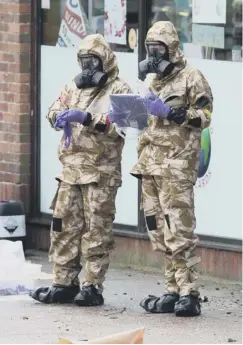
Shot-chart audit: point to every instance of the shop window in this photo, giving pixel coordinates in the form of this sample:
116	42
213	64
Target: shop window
67	22
203	39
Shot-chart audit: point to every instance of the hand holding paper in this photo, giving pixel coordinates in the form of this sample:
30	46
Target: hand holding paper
156	106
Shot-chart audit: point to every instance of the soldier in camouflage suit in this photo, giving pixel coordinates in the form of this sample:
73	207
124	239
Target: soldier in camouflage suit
84	204
180	104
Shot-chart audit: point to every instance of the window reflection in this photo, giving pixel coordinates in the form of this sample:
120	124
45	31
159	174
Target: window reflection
179	12
93	21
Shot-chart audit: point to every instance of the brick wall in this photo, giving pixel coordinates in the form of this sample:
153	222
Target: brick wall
15	99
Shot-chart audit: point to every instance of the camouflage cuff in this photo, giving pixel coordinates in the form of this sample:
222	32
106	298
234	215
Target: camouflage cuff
177	115
88	120
196	122
197	118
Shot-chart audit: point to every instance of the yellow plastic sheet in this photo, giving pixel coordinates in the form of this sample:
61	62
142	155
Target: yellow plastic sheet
130	337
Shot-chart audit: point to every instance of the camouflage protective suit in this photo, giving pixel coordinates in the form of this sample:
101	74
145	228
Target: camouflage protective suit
168	159
84	204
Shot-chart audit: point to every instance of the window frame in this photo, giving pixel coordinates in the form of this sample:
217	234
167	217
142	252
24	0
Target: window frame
35	217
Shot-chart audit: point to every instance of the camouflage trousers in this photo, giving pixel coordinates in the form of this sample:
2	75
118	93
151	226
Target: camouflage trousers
82	229
169	213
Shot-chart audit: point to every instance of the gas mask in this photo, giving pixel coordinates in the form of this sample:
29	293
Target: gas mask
157	60
92	74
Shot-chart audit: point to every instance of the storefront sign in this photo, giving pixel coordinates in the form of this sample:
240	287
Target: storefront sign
73	26
115	27
46	4
208	36
132	38
209	12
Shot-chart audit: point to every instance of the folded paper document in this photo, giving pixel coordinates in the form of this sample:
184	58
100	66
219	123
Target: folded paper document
131	111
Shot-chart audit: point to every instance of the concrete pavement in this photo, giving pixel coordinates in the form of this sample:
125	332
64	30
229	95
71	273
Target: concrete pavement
23	320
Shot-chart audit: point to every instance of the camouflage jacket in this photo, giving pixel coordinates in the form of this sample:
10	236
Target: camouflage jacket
165	148
95	151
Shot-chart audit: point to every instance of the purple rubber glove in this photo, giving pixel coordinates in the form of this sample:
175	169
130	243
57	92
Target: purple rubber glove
71	115
156	106
67	130
63	121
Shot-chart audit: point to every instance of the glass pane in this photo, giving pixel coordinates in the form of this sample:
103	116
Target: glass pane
97	16
202	39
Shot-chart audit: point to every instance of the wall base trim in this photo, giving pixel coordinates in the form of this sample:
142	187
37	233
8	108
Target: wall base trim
135	250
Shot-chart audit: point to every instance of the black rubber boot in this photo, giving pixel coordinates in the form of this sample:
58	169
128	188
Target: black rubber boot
188	305
163	304
55	294
89	297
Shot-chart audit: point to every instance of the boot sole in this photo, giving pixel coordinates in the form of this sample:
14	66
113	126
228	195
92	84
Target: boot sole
85	304
169	309
185	313
154	311
160	312
35	298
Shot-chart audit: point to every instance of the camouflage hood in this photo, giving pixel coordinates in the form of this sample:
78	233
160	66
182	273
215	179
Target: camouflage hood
165	32
96	45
